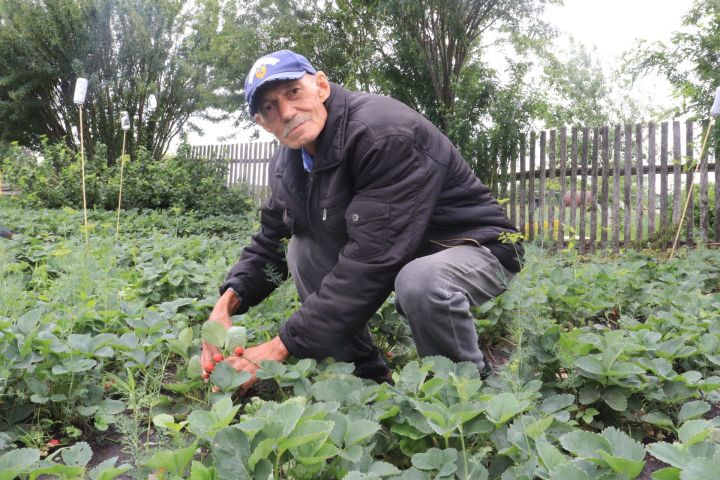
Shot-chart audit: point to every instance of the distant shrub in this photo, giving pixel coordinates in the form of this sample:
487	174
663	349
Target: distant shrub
51	178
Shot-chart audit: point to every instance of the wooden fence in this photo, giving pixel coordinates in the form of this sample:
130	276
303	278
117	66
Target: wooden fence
247	163
629	183
627	191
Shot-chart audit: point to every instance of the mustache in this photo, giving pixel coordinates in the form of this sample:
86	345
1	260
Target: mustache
289	126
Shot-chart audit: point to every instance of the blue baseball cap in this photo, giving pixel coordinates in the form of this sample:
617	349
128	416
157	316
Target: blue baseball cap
280	65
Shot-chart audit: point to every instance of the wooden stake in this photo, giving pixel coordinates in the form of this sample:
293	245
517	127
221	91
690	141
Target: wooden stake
82	170
687	200
122	167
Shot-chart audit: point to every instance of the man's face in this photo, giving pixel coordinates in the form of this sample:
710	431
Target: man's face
293	110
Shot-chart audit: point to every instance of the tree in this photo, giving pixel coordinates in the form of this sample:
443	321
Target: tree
127	50
426	53
690	61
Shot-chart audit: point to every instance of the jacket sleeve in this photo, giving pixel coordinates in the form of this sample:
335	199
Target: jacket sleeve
385	224
262	262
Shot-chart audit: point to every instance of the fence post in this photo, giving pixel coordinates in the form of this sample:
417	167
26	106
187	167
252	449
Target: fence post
689	180
541	220
594	190
704	200
651	180
582	237
640	189
553	231
605	210
563	175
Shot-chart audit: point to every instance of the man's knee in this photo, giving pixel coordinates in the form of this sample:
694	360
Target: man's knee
415	284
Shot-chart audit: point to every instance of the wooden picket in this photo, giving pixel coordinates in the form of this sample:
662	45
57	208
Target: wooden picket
247	164
642	204
635	188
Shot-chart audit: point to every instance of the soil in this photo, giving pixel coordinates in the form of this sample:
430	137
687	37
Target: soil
497	354
652	464
107	445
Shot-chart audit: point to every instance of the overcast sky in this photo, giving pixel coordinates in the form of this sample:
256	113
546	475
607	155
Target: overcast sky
612	26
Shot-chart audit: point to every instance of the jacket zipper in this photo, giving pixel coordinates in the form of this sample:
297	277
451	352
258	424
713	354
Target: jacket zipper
309	194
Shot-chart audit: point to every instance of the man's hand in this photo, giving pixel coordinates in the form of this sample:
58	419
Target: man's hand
250	360
223	310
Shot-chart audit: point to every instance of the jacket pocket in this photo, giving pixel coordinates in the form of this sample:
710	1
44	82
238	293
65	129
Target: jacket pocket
332	213
367	226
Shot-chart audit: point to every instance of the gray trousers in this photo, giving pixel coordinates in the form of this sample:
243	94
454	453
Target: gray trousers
434	293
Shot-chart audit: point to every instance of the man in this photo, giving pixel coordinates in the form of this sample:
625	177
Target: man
373	198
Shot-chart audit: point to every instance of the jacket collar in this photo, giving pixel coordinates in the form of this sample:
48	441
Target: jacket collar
331	140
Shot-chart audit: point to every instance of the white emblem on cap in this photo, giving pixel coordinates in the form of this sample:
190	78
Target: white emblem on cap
262	61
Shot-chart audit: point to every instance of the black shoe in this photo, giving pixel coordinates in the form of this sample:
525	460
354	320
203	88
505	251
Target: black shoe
486	371
386	378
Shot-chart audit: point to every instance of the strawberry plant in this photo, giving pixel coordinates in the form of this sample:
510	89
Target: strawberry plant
614	360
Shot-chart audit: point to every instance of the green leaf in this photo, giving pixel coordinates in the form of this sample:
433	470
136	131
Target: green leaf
407	430
503	407
287	415
442	461
624	369
214	333
57	470
230	450
568	471
626	467
621	445
162	420
183	342
589	394
693	410
556	403
383	469
615	398
173	461
694	431
353	453
320	455
670	454
15	462
658	418
227	378
358	430
702	469
236	337
263	450
550	456
669	473
306	432
198	471
194	369
355	475
78	455
107	470
584	444
591	365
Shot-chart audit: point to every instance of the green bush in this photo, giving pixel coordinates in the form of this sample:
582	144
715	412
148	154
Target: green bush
51	178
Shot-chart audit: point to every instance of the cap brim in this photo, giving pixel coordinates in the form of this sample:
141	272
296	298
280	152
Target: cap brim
271	78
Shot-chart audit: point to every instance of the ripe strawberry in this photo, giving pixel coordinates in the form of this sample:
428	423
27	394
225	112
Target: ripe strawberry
205	375
209	367
217	357
54	442
238	351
